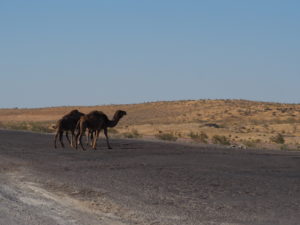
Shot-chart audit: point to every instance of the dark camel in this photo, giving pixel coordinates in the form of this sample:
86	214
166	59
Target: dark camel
95	121
67	123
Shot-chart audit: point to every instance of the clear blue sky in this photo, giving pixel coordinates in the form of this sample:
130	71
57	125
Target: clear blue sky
68	52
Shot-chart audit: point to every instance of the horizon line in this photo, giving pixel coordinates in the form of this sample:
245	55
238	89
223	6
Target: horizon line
157	101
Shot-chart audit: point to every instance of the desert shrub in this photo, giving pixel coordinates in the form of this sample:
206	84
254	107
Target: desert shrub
278	139
41	127
113	131
17	126
219	139
291	120
133	134
284	147
202	137
166	136
251	143
258	140
294	128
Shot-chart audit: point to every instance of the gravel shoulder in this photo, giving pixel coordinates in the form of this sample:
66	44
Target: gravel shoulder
142	182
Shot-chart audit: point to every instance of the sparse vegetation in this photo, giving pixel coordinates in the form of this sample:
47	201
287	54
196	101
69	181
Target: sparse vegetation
41	127
166	136
239	118
284	147
113	130
251	143
220	139
278	139
202	137
133	134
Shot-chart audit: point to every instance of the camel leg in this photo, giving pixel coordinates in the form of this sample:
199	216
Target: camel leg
72	138
91	134
107	141
80	141
56	135
87	133
67	136
76	139
79	136
61	139
95	139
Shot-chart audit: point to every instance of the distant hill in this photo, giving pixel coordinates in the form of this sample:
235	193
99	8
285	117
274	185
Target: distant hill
244	122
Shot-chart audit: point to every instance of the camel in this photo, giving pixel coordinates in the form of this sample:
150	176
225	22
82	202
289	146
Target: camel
67	123
95	121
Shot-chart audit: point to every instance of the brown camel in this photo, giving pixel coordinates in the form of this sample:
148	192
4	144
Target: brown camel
65	124
95	121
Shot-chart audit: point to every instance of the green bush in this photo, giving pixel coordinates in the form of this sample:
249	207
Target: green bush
166	136
222	140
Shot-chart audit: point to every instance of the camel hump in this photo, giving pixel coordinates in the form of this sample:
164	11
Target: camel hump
73	114
74	111
96	112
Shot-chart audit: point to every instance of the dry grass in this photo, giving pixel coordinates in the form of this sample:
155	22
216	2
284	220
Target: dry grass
239	121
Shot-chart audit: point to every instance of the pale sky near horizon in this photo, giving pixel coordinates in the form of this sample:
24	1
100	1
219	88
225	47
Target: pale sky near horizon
71	52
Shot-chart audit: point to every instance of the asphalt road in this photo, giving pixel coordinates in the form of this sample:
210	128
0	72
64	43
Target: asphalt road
144	182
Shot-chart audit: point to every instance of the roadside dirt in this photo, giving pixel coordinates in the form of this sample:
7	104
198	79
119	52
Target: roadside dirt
142	182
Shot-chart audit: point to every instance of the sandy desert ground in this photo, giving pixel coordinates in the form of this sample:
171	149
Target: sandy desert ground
145	182
250	123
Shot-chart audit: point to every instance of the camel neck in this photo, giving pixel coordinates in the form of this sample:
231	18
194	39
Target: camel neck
114	122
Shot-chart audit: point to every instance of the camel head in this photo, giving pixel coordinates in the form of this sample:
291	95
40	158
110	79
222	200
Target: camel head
119	114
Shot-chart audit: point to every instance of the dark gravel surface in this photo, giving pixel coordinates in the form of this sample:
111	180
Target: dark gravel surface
144	182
